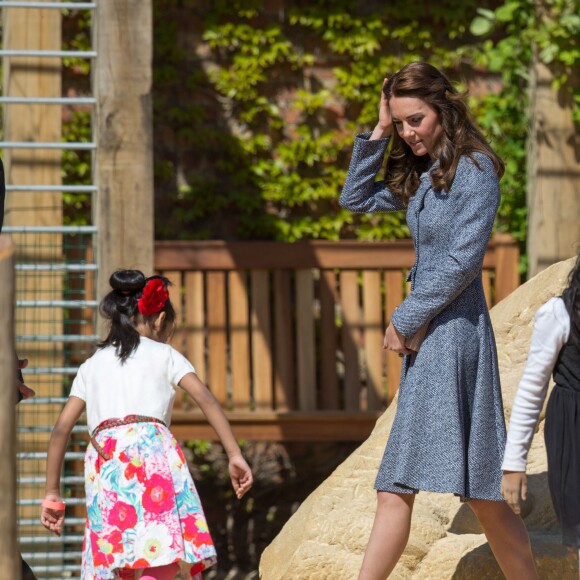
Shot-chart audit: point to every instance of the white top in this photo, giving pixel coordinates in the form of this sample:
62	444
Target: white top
145	384
551	331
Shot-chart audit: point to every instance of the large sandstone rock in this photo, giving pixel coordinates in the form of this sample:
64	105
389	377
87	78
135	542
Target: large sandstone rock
327	536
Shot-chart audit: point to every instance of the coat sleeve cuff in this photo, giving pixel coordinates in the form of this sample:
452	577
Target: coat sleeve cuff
406	327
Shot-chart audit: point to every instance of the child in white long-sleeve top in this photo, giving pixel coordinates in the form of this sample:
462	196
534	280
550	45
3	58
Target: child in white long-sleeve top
554	349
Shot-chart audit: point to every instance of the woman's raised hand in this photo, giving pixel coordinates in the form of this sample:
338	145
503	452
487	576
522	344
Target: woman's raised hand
384	127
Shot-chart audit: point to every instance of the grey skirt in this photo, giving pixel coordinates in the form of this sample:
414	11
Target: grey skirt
449	432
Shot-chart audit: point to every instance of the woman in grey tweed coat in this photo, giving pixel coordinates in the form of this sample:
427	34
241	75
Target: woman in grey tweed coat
449	433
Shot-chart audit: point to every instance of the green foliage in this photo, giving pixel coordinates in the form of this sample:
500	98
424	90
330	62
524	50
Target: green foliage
276	159
548	30
76	169
253	136
289	132
76	126
77	37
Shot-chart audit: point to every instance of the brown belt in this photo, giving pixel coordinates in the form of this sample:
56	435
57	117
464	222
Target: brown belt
109	423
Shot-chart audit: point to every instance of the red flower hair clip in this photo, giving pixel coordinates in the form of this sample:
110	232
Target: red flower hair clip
154	297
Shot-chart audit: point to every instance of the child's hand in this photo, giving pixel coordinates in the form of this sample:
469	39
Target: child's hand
52	518
241	475
25	392
514	486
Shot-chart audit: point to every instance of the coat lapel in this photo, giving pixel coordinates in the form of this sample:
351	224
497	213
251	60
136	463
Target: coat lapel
422	190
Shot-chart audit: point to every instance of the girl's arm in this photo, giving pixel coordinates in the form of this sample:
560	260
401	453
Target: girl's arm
240	472
551	329
51	518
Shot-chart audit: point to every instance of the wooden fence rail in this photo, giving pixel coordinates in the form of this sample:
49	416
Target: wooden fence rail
285	332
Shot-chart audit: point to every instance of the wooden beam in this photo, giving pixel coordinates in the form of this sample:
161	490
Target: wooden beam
222	255
553	171
124	132
32	76
35	76
8	545
323	254
272	426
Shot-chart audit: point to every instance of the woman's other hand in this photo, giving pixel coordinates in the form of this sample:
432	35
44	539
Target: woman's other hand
395	341
384	127
241	475
514	489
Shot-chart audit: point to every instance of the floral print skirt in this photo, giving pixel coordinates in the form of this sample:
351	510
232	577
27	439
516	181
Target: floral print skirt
143	508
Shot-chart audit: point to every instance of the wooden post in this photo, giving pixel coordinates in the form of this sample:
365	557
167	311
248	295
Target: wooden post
35	76
32	29
124	134
8	547
305	341
507	277
553	175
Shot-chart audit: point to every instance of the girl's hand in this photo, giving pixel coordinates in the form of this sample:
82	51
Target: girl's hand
395	341
384	127
241	475
514	485
52	519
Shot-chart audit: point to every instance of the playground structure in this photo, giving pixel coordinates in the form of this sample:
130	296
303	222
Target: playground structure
288	337
56	269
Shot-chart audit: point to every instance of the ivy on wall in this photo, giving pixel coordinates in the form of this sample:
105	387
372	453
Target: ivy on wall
76	123
255	109
295	86
515	34
547	30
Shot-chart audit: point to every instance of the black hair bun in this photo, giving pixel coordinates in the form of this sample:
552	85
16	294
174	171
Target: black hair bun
127	280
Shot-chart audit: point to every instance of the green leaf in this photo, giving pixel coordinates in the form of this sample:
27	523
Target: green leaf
486	13
480	26
505	13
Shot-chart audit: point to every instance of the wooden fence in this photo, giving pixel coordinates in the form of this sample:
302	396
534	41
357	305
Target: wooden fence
289	337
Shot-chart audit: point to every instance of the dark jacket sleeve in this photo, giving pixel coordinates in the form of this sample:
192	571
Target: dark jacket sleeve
361	192
477	193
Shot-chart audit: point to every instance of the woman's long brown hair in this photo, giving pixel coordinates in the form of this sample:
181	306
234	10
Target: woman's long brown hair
459	137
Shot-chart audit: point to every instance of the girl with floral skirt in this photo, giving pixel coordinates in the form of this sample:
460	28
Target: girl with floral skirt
144	516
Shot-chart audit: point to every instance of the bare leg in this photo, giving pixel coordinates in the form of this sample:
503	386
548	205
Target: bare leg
389	535
169	572
507	537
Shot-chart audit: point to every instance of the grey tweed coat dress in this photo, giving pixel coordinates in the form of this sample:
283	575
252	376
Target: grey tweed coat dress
449	431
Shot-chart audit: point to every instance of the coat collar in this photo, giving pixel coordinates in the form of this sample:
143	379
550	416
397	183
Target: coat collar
424	187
